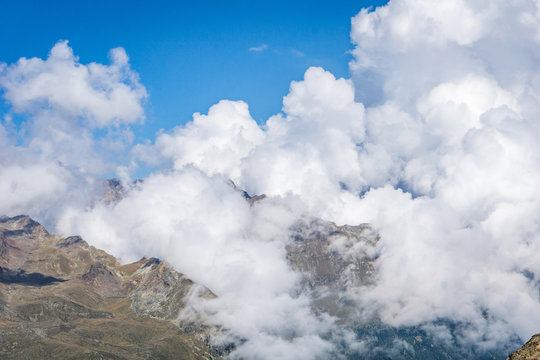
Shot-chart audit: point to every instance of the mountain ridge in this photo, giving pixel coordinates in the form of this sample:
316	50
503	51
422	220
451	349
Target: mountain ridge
62	298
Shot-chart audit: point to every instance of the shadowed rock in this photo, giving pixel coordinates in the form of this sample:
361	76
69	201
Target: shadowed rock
71	241
8	276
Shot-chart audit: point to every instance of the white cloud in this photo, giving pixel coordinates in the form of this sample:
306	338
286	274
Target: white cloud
101	94
312	147
259	48
409	46
463	146
62	102
215	143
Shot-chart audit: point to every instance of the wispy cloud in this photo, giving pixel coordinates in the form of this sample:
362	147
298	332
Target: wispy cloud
297	53
259	48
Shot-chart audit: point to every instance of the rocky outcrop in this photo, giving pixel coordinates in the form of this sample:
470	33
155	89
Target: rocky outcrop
159	291
335	262
529	351
63	299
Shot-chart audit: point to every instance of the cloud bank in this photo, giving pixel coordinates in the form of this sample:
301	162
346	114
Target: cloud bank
432	141
457	203
52	159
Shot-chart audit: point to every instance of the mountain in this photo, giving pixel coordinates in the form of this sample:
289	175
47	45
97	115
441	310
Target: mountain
61	298
337	263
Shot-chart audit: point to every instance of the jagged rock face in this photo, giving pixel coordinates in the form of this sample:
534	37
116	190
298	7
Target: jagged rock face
160	292
335	261
529	351
113	190
61	298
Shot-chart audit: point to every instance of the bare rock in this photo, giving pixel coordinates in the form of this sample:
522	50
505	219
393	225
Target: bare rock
529	351
335	262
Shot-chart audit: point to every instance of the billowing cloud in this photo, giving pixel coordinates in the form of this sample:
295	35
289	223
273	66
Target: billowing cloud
457	170
215	143
99	93
432	141
409	46
54	155
205	228
312	147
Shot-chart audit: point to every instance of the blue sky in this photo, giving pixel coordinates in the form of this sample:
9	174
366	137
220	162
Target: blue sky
190	55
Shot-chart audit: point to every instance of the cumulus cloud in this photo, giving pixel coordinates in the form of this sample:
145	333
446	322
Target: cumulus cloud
55	155
461	156
65	102
215	143
99	93
311	147
409	46
432	141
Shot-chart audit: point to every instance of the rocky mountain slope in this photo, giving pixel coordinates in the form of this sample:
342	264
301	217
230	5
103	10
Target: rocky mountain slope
61	298
529	351
335	261
338	262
